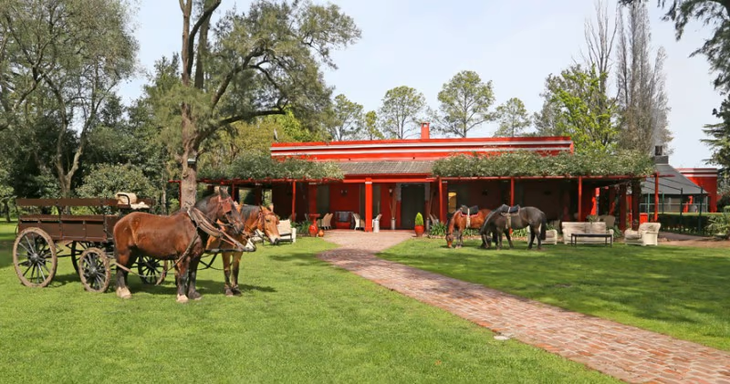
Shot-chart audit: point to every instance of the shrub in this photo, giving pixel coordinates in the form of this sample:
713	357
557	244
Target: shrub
438	229
719	225
419	219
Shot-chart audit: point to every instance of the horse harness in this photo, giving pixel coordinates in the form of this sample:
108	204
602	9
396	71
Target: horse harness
201	223
507	215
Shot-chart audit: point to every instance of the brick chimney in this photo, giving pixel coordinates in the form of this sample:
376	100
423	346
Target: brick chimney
425	131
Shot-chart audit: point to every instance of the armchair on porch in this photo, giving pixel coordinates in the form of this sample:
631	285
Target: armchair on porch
326	221
648	234
359	223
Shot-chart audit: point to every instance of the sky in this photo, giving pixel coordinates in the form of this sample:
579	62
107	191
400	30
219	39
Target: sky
515	44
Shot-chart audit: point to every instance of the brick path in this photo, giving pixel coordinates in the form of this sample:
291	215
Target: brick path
627	353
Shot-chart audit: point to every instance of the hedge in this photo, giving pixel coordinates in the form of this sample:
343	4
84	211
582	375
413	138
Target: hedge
262	166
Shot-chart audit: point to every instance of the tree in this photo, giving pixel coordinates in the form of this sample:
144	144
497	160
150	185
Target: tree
400	110
255	64
719	134
347	120
642	99
577	95
546	120
59	63
464	104
512	117
371	131
715	13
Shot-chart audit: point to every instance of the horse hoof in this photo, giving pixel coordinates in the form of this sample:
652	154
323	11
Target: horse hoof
124	293
195	295
237	292
229	293
182	299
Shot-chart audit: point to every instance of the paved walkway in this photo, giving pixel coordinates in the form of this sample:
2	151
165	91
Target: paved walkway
627	353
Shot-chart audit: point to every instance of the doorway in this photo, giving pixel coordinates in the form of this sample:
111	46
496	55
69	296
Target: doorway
413	200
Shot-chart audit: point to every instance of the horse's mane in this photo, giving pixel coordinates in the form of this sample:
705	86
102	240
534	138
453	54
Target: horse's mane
247	210
452	222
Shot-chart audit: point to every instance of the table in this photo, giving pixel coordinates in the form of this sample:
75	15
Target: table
606	236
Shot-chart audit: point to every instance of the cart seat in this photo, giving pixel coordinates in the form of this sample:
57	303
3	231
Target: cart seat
130	199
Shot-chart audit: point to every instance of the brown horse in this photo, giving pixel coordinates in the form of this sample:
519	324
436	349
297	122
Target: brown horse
460	221
255	219
177	237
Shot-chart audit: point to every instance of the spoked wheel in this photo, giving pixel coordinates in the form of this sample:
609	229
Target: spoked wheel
94	270
34	257
151	270
77	248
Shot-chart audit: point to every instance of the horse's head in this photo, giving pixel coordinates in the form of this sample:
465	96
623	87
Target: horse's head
449	240
221	207
268	224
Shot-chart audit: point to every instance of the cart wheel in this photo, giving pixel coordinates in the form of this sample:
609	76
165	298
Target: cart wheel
34	257
94	270
77	248
151	270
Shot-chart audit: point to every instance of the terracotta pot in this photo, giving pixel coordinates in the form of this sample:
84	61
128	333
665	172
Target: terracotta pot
321	233
419	230
313	230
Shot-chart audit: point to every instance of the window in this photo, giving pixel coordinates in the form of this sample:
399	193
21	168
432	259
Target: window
452	201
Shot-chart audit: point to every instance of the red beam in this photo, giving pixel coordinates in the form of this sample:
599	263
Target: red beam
293	201
580	198
442	215
512	192
656	197
368	206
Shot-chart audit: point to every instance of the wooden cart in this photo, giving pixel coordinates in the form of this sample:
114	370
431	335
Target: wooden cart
44	237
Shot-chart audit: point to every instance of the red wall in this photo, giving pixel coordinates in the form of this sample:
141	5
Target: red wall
705	178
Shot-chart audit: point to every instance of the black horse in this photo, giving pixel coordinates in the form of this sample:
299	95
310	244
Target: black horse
505	217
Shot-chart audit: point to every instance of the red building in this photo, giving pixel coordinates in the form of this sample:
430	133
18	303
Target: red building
394	178
705	178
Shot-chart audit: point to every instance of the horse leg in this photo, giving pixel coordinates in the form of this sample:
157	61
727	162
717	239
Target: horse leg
227	273
532	237
182	279
539	239
193	272
509	239
236	264
124	256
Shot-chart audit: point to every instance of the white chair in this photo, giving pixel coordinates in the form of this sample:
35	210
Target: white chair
358	221
551	236
286	231
327	221
648	234
376	223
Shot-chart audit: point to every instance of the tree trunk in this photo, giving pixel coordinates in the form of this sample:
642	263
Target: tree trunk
7	211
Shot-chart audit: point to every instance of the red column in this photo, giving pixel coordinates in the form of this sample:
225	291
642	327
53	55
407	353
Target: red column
257	194
622	207
293	201
656	196
368	205
580	198
512	191
442	210
635	201
595	200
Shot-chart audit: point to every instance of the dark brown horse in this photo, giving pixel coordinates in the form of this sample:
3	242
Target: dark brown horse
256	219
500	222
460	221
176	237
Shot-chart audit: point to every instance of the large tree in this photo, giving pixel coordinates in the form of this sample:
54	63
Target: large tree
400	111
370	128
642	98
464	104
713	13
577	95
347	121
59	63
512	117
250	65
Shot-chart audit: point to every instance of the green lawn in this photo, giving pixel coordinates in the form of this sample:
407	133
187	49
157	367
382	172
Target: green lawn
299	320
679	291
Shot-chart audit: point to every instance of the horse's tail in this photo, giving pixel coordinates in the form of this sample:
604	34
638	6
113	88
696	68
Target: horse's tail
543	227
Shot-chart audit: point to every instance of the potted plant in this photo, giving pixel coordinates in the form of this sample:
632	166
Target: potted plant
419	225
